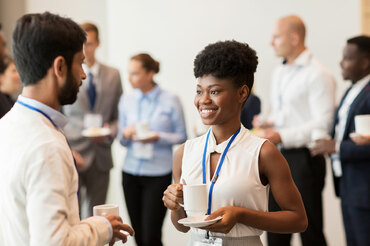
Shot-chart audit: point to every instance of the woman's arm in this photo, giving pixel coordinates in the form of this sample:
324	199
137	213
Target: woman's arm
173	194
291	218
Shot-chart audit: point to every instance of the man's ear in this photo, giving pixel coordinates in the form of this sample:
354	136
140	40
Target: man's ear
60	67
244	93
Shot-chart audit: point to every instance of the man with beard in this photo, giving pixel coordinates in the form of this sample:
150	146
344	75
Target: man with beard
98	99
38	178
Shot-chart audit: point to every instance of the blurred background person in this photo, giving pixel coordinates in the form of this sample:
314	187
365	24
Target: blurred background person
9	84
151	122
302	101
351	162
3	49
96	105
251	108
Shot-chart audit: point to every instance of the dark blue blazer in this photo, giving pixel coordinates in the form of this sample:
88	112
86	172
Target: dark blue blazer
354	186
251	108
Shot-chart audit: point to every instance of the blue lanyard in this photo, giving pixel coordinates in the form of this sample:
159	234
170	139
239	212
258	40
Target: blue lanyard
48	117
215	176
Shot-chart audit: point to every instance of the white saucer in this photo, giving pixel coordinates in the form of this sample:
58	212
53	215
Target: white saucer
198	221
148	136
96	132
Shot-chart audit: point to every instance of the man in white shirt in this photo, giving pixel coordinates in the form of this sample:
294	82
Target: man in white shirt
302	101
38	178
351	162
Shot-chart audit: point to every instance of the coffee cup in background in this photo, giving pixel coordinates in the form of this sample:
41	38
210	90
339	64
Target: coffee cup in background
142	129
195	199
362	124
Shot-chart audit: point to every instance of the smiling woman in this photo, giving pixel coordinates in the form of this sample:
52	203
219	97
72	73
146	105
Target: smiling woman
238	167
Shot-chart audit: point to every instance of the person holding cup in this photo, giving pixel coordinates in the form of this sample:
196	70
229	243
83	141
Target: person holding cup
38	178
237	166
151	121
351	161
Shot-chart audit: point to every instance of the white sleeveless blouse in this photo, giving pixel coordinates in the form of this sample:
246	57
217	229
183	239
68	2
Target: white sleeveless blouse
238	183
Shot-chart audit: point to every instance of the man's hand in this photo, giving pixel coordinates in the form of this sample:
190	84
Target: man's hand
360	139
323	146
79	159
271	135
117	226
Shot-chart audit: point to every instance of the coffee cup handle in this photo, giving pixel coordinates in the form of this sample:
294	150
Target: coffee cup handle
182	205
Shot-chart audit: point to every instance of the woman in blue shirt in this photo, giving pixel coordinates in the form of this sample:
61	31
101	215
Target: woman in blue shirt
148	164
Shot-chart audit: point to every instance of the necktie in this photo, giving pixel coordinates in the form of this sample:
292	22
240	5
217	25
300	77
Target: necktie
91	91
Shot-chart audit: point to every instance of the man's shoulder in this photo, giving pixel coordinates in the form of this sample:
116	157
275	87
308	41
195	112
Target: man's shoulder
108	69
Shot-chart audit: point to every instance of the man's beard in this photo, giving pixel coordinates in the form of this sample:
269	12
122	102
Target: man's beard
68	93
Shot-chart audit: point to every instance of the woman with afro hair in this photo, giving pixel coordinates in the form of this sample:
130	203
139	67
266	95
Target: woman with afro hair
238	167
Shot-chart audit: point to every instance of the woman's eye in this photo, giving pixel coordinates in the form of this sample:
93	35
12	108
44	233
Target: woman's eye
213	92
198	92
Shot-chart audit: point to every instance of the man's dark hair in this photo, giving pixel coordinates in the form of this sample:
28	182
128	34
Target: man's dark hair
39	38
362	42
227	59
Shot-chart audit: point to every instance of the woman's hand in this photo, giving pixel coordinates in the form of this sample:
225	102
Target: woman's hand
129	132
173	196
229	216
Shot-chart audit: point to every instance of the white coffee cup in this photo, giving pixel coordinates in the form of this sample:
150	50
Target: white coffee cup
142	129
105	209
108	209
362	124
195	199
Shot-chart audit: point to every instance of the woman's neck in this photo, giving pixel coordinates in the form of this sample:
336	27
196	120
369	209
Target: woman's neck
148	87
222	132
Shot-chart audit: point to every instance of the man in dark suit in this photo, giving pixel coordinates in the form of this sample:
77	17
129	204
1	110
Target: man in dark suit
98	99
351	162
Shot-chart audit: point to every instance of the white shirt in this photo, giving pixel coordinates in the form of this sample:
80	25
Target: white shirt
38	183
94	70
238	183
302	99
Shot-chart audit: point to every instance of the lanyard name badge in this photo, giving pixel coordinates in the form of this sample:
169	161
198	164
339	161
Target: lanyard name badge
208	240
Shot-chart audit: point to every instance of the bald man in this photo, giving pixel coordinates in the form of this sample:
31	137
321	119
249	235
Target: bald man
302	105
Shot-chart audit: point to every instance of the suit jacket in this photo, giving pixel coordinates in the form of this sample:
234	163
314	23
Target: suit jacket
354	186
109	90
251	108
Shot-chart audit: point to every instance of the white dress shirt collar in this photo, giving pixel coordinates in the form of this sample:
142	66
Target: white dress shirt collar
57	117
94	69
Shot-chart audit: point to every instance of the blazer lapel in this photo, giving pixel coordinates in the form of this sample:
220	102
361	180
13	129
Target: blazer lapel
353	107
336	117
99	88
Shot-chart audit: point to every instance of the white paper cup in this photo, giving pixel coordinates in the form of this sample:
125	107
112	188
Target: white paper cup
195	199
362	124
106	209
142	129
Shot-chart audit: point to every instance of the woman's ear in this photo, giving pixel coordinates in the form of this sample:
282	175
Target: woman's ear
243	93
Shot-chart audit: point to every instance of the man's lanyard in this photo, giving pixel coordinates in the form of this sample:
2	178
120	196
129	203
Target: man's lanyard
215	176
48	117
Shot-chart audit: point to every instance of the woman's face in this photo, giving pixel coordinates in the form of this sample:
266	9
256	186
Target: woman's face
10	81
218	101
138	76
